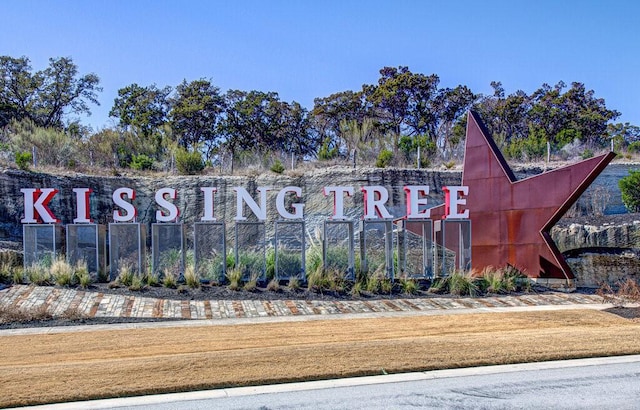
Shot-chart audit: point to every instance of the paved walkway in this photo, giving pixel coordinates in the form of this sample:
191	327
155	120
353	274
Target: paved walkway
94	304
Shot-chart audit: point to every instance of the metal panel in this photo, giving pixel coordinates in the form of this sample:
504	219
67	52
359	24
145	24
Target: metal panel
338	247
86	243
415	248
127	248
167	244
290	250
210	251
376	247
250	250
42	243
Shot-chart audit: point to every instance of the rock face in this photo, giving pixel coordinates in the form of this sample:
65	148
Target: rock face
593	267
599	254
577	236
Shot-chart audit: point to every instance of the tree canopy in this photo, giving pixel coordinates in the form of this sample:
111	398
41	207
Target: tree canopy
45	96
403	113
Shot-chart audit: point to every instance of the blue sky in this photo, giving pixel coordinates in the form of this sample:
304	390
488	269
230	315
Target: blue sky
307	49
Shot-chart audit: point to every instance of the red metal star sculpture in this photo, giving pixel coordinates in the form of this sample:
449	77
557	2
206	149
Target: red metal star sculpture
511	219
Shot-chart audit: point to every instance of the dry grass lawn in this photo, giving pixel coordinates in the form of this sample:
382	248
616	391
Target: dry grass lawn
73	366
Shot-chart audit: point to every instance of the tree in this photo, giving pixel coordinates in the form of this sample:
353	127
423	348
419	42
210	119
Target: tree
403	101
196	111
46	96
144	108
247	120
630	189
330	112
449	107
294	134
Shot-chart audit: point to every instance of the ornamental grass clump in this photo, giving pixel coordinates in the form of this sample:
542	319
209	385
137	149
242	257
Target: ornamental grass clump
317	280
82	276
273	285
6	272
84	279
462	284
357	289
137	283
492	280
625	293
151	279
252	284
170	281
18	276
294	284
62	272
234	277
191	279
38	274
125	275
409	286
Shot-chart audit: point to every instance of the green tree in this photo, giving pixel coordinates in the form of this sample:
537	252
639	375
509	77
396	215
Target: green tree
630	189
403	101
45	96
259	121
196	111
144	108
330	112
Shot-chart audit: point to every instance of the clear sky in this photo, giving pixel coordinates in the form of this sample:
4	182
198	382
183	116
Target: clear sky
306	49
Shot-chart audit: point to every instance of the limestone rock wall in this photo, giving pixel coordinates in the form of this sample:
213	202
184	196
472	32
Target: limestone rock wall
577	236
190	200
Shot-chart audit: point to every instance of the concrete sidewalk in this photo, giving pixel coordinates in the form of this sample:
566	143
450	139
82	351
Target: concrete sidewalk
102	305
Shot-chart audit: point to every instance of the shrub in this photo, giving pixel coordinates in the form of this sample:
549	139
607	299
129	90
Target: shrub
384	158
23	160
587	153
630	189
141	162
634	147
189	163
627	292
326	152
277	167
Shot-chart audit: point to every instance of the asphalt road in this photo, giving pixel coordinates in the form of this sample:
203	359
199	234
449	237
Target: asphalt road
602	383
